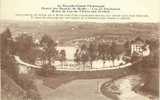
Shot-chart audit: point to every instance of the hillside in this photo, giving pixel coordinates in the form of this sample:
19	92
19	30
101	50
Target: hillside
10	90
22	88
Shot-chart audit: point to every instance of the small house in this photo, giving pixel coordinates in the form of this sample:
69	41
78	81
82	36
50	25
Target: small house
139	47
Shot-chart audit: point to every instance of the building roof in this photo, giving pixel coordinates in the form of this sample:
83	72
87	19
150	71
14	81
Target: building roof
138	41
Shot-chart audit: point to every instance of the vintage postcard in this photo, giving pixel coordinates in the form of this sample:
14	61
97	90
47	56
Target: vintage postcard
79	49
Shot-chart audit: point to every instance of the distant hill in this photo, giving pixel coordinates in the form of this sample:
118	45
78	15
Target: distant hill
72	30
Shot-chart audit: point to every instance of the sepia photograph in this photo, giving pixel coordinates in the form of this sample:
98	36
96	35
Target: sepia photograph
67	60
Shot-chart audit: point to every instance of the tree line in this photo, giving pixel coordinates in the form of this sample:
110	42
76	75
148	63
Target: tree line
94	51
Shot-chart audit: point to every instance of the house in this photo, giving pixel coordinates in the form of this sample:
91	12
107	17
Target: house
69	50
136	47
69	55
139	47
146	51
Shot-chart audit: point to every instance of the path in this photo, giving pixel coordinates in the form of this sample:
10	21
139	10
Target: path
75	90
27	65
18	60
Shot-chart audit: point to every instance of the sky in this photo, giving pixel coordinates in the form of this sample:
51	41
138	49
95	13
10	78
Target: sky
151	8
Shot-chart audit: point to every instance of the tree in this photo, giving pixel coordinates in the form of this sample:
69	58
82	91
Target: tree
154	44
91	53
138	39
49	50
6	42
83	54
7	60
25	48
127	47
62	56
77	56
102	51
153	58
113	52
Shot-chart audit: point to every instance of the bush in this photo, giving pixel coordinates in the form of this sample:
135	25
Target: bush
9	66
25	81
46	70
32	94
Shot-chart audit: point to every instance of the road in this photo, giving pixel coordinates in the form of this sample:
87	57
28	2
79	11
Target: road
74	90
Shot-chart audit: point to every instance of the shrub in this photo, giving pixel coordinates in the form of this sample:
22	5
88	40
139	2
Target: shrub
46	70
9	66
25	81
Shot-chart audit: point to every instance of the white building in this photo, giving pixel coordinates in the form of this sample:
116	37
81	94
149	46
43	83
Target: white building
146	52
140	48
70	51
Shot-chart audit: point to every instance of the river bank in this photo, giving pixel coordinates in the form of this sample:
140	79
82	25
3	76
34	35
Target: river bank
126	88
